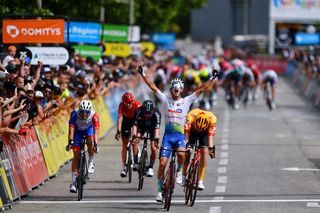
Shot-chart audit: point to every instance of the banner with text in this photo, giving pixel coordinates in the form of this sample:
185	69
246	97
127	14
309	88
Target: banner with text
85	32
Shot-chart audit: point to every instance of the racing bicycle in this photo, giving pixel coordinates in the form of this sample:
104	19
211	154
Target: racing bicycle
83	174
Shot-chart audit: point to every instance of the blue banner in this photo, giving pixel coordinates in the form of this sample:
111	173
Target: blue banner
163	38
307	38
84	32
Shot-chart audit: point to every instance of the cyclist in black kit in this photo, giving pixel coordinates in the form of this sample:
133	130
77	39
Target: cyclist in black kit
148	119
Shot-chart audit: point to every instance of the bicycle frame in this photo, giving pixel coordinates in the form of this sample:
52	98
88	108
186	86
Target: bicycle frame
170	179
82	169
143	161
129	162
191	185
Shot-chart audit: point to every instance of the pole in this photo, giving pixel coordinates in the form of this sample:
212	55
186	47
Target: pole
131	18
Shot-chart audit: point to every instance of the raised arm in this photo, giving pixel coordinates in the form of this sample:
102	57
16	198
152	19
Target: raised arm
206	84
146	79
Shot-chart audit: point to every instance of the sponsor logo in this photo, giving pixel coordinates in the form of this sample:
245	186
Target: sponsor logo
13	31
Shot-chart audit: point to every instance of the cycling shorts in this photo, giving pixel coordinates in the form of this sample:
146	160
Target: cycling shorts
126	128
202	137
144	130
170	141
78	134
269	80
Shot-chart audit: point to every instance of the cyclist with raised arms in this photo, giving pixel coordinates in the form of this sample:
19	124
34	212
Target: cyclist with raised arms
175	109
126	116
200	125
83	122
148	119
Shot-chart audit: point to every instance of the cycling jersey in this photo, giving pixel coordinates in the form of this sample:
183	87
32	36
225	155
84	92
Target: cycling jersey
129	113
270	74
175	117
211	117
83	127
147	124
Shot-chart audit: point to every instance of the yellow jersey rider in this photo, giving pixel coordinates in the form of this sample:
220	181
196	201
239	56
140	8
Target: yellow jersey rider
200	125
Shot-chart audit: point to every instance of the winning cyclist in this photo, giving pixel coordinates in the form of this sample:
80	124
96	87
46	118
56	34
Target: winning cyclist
201	125
126	116
270	76
83	122
175	109
148	119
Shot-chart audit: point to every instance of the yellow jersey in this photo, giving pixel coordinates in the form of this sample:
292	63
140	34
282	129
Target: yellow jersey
211	129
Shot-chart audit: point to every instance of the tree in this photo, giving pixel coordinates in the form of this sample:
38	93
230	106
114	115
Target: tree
151	15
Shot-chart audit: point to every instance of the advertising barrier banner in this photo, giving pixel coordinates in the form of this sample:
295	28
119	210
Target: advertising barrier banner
86	50
33	31
85	32
5	191
163	38
117	49
105	119
118	33
53	137
8	169
49	55
148	48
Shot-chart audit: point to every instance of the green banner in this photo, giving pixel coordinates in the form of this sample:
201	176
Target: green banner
118	33
85	51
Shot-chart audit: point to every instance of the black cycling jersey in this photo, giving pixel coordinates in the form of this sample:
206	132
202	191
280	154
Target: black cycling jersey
150	124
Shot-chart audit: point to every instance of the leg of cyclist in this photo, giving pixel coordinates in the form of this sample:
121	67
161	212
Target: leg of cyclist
181	145
163	159
191	138
154	147
91	154
135	148
77	137
125	133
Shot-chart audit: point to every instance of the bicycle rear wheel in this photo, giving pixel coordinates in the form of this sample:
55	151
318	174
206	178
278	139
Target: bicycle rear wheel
129	163
194	183
142	168
81	177
187	186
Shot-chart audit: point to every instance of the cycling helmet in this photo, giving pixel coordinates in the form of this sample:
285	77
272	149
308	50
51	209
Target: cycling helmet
127	97
148	106
201	123
85	105
176	82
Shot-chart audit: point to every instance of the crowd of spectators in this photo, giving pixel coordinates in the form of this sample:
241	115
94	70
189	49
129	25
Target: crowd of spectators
308	58
32	93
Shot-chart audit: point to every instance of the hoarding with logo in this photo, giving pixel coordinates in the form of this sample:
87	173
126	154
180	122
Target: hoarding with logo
85	32
117	49
86	50
33	31
117	33
307	38
163	38
49	55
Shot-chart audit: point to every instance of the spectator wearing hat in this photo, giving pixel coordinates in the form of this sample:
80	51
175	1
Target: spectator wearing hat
38	96
48	78
9	58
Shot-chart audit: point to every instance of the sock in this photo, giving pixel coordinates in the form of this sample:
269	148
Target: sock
124	164
160	183
135	159
151	163
74	177
90	159
179	167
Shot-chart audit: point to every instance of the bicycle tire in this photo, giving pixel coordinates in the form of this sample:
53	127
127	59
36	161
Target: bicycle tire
80	181
142	165
165	187
194	183
171	185
129	163
187	186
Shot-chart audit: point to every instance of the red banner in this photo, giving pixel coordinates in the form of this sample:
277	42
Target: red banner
26	159
266	63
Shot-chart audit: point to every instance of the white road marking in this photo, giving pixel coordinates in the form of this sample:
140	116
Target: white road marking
222	170
220	189
225	135
215	209
174	201
222	179
296	169
218	198
225	130
225	147
313	205
224	155
223	162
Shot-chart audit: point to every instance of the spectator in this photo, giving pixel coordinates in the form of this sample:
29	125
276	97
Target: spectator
9	58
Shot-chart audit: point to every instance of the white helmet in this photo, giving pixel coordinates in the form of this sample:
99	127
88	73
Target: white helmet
176	82
85	105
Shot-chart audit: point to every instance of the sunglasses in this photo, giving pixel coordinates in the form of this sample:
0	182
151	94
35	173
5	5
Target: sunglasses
84	112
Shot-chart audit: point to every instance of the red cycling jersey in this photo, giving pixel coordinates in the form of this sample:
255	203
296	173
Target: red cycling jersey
129	113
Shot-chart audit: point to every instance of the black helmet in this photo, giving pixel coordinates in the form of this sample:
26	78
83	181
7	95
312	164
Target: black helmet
148	106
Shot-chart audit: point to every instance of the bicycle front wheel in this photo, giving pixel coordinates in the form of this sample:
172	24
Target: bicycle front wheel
129	163
194	183
142	168
81	177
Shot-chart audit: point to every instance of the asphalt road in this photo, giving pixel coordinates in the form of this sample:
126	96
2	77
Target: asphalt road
267	162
